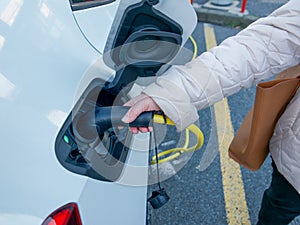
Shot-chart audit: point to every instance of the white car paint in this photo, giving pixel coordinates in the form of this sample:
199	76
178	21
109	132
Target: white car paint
91	21
17	219
43	56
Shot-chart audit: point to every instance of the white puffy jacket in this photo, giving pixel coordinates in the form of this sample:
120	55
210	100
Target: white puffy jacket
265	48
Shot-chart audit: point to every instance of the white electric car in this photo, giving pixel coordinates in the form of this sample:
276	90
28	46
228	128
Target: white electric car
60	59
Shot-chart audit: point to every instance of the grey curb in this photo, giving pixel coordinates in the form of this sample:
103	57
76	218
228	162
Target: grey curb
224	18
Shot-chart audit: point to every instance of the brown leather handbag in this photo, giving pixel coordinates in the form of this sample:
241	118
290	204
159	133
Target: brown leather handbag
249	146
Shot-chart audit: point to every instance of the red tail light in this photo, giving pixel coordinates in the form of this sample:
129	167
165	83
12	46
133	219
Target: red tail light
65	215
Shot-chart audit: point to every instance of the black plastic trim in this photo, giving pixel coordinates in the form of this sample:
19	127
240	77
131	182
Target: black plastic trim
90	4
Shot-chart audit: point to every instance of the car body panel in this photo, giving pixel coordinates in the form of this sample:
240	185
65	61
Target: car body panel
42	58
93	21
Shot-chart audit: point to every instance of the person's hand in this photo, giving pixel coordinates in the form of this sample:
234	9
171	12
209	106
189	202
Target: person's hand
138	105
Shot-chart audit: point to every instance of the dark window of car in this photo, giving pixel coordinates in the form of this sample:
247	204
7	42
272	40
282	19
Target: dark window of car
84	4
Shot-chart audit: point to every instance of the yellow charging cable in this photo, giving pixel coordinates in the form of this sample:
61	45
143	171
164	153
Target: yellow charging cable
195	46
175	152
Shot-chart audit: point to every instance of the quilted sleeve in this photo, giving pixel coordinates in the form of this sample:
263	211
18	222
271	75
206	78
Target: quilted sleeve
263	49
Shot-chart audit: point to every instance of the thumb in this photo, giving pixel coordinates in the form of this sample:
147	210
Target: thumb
139	104
133	113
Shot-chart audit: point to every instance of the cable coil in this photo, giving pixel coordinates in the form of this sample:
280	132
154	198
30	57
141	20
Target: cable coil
176	152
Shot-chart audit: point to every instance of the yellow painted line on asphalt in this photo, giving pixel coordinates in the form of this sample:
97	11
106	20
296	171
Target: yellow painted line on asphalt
233	187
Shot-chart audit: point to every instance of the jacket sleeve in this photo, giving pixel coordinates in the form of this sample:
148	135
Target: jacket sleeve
263	49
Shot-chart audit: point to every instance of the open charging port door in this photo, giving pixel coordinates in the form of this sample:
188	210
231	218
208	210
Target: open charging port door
99	156
144	41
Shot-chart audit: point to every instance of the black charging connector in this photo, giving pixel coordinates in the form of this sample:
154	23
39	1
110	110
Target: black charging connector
159	197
